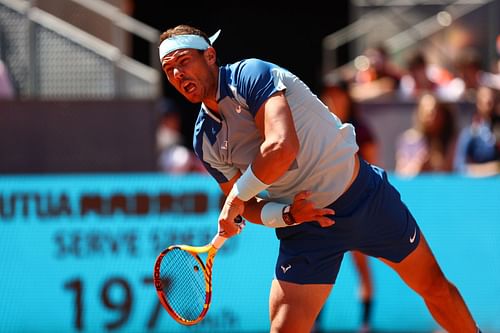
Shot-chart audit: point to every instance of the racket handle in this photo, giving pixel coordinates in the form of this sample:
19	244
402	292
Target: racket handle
218	241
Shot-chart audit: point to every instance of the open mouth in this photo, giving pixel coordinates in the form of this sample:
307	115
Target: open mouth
189	87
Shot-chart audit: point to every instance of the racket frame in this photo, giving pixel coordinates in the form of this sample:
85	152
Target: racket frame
206	267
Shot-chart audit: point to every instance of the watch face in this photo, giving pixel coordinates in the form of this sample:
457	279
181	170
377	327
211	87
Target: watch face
287	216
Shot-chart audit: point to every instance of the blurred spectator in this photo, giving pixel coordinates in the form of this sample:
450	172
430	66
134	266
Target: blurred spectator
6	86
337	98
470	70
478	149
376	74
418	80
424	77
173	156
429	145
492	79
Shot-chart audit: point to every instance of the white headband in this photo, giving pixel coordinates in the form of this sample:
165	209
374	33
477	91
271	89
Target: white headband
185	42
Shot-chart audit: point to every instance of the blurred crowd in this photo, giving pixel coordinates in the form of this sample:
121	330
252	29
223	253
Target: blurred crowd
435	142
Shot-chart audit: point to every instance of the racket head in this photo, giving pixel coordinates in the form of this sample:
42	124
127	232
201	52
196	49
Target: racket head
183	282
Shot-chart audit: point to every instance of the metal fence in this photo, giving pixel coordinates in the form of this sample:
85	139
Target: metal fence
49	58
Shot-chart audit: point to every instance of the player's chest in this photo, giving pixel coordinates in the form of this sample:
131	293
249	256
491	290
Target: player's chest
237	137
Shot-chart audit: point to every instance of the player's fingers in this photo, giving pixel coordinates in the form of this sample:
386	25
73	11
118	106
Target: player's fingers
326	211
325	221
232	227
228	229
323	218
240	225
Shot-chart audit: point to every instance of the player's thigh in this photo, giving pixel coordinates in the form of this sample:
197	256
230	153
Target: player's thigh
294	307
419	269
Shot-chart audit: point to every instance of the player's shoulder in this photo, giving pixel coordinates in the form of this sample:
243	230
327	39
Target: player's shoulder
251	66
253	62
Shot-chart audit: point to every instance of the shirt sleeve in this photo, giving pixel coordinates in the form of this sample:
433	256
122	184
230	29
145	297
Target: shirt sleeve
256	82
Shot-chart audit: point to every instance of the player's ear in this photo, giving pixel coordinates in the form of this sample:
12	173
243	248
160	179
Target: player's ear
211	55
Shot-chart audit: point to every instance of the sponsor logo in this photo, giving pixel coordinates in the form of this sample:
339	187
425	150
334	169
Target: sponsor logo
285	269
412	238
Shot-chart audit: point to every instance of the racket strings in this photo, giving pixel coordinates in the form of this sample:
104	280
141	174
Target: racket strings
184	284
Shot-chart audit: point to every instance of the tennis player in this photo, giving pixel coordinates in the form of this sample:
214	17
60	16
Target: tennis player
285	161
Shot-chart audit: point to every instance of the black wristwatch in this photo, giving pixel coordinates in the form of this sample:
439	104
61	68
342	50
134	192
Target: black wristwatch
287	215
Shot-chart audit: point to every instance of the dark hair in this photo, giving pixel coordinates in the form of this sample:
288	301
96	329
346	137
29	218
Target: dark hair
183	29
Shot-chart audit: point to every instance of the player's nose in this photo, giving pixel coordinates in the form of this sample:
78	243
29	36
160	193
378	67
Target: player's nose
178	74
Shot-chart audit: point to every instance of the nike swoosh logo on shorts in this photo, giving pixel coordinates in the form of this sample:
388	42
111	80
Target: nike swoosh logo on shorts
412	238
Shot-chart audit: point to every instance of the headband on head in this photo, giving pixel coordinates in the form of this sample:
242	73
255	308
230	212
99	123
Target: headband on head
185	42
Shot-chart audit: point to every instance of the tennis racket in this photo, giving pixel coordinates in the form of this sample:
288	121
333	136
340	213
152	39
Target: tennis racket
183	281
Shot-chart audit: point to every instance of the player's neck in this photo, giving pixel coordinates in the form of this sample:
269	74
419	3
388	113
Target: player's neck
211	101
212	106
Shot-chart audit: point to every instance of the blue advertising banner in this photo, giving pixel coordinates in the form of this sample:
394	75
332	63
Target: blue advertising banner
77	254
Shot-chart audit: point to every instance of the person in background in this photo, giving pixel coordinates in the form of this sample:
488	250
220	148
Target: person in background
478	148
284	161
469	69
173	156
376	75
424	78
338	100
429	145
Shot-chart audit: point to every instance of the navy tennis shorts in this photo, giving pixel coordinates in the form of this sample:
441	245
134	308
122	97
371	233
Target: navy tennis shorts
369	217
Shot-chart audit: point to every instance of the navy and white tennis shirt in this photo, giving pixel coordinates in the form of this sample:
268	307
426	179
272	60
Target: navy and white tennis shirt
228	141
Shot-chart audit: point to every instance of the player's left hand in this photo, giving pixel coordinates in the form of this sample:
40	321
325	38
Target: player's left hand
303	210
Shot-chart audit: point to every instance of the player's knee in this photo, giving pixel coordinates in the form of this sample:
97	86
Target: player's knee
280	325
286	322
290	328
279	328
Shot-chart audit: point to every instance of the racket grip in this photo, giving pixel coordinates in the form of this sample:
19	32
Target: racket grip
218	241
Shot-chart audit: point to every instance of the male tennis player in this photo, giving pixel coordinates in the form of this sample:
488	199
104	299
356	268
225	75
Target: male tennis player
261	130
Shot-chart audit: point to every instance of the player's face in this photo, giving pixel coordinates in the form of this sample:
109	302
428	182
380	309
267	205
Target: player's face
188	70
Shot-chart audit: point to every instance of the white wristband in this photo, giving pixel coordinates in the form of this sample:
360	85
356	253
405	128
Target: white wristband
272	215
248	185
